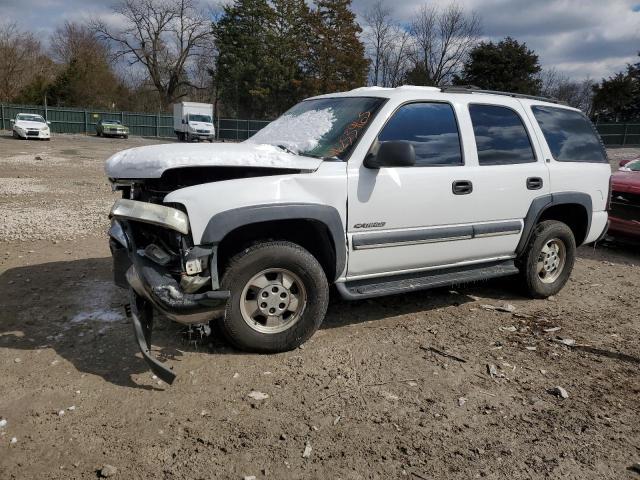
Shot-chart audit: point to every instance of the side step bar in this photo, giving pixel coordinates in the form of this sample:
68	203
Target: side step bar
377	287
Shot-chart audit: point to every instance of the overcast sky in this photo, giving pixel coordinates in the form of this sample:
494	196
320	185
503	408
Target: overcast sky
581	38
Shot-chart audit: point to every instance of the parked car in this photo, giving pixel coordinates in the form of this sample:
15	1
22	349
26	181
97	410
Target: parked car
193	121
30	125
378	191
624	214
111	128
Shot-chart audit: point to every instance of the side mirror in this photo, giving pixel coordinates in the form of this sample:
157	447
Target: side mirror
392	154
48	122
12	121
184	121
623	162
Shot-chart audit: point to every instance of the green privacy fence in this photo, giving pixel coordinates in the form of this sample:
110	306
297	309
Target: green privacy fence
235	129
620	134
83	121
75	120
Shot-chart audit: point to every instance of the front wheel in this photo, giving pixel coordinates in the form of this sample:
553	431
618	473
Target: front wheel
279	297
548	261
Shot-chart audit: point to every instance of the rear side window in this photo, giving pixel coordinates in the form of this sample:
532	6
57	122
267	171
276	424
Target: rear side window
501	137
570	135
431	128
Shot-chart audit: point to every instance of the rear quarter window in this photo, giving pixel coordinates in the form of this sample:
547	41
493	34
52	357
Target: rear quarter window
570	135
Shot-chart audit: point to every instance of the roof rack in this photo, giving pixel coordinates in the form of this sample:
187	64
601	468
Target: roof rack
474	89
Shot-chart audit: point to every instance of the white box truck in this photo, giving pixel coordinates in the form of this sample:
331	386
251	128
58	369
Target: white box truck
193	121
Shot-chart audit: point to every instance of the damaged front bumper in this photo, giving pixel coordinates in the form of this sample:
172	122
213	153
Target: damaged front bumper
150	272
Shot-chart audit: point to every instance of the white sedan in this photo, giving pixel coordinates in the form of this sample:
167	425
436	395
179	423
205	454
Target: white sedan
29	125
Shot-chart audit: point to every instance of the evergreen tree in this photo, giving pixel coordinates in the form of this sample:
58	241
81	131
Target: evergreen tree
508	66
418	75
617	98
245	60
337	60
291	43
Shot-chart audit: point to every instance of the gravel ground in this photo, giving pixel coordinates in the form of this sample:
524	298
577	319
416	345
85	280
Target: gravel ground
369	396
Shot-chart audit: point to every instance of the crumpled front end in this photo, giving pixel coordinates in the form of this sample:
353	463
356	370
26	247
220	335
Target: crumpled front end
155	258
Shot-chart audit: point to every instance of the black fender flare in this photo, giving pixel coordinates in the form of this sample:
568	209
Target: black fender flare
544	202
221	224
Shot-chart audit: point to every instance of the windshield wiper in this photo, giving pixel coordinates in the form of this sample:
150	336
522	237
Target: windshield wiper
288	150
311	155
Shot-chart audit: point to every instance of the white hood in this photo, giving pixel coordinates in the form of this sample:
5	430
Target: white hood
33	125
153	160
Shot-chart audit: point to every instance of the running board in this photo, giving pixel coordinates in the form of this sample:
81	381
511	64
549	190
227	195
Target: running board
377	287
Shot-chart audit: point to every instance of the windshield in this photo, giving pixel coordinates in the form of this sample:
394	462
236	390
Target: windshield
200	118
327	127
633	165
30	118
117	122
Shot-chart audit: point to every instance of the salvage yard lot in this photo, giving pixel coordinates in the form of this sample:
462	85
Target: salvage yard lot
371	393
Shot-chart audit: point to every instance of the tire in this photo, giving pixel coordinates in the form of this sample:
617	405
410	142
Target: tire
245	278
98	134
540	278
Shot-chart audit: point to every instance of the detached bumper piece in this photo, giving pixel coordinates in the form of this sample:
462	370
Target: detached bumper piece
142	318
150	281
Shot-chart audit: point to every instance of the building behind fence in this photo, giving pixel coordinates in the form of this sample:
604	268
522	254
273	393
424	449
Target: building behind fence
73	120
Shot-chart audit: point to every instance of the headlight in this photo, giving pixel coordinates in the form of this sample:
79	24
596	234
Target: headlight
44	129
151	213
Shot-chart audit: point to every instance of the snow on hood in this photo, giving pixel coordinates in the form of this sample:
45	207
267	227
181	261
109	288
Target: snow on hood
151	161
298	133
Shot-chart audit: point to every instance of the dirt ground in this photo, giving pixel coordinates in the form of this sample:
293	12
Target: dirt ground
366	393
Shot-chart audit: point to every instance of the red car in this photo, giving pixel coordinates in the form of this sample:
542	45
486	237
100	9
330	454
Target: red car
624	215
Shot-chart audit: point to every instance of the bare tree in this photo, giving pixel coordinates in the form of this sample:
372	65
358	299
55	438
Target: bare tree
21	60
74	41
164	36
576	93
442	40
396	58
378	36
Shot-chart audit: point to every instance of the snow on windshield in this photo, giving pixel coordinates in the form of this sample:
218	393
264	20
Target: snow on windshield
298	133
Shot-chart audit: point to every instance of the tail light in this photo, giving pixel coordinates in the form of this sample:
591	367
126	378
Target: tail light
608	206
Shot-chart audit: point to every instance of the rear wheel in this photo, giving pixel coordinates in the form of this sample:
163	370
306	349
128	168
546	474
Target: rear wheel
279	297
548	261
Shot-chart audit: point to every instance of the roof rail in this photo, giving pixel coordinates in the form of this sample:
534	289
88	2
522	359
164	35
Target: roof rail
474	89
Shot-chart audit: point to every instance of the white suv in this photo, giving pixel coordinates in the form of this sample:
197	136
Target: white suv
378	191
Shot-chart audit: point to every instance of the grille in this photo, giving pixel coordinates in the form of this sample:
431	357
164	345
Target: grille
625	206
33	133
